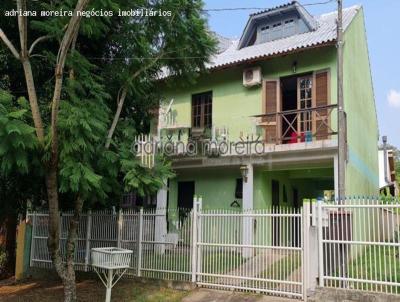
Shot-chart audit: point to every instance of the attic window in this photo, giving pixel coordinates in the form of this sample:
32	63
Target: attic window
277	23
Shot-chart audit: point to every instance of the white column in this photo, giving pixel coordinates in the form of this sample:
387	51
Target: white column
161	221
248	187
336	173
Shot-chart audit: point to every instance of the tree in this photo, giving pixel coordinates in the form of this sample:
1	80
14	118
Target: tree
18	153
82	155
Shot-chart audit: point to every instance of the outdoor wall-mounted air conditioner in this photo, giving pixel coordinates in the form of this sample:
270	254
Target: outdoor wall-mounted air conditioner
252	76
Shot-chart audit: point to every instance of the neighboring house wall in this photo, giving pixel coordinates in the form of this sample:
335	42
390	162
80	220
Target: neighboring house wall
362	126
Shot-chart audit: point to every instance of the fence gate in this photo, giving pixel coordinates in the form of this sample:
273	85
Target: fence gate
254	250
359	245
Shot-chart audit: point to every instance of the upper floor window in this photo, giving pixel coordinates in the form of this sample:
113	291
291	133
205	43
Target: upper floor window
277	30
202	110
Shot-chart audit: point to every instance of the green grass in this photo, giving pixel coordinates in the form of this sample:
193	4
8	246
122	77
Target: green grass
375	263
153	294
221	262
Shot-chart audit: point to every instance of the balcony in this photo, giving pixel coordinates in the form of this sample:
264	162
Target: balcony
297	126
304	130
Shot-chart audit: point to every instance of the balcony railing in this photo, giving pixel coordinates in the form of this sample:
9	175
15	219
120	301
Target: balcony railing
294	126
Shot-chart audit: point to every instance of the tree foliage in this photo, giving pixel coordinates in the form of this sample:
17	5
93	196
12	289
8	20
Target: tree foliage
72	101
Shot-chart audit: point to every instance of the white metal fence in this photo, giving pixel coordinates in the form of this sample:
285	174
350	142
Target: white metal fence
254	250
160	240
282	251
360	245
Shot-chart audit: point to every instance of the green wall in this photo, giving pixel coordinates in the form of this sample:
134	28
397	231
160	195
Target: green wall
233	104
362	125
217	186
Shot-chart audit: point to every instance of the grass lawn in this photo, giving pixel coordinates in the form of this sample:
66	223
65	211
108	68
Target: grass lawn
88	290
376	263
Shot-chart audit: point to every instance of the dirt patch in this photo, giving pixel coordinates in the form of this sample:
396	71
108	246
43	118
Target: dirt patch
88	290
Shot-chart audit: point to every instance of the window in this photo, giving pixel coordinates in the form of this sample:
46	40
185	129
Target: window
305	101
202	110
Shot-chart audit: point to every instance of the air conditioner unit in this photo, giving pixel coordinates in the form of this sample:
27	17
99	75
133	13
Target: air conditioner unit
252	76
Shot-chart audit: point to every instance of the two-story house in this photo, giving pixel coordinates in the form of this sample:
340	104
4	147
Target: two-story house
260	128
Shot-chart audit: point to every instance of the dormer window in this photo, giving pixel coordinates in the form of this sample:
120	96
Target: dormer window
277	23
276	30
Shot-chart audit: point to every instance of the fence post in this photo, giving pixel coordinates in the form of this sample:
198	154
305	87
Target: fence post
194	238
88	233
306	245
119	223
139	261
199	234
320	246
33	237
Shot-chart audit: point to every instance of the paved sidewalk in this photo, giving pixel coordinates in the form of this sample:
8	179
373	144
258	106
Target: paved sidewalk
210	295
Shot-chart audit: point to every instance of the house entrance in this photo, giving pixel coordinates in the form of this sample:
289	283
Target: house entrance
185	198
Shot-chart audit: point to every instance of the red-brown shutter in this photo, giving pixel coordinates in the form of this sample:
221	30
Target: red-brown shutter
271	106
321	100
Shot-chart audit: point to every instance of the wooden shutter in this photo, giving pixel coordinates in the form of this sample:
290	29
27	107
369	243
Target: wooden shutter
271	106
321	100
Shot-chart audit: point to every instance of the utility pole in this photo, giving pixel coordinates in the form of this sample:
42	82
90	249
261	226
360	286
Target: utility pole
342	132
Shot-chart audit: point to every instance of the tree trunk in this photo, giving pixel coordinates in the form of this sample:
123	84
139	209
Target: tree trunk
69	280
54	221
121	101
30	84
65	271
70	287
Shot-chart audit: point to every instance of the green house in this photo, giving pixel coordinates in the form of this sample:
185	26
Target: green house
260	128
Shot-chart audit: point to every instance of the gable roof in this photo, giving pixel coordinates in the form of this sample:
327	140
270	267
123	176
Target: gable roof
324	34
293	6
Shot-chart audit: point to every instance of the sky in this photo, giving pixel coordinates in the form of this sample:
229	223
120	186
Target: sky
383	34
